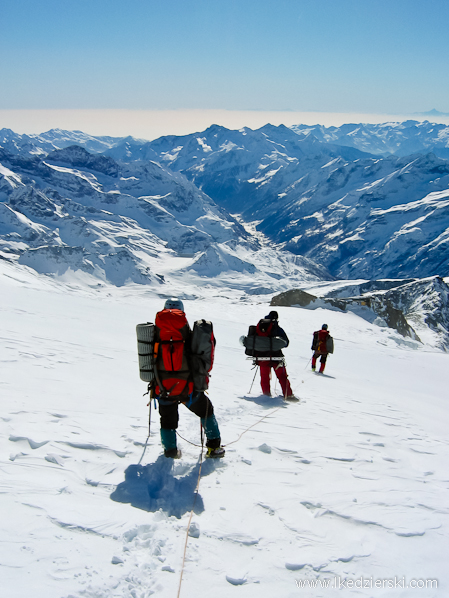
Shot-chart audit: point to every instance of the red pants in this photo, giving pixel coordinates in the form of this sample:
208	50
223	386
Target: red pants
281	373
322	360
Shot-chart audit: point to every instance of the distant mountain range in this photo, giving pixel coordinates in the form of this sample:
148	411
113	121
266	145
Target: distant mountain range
358	214
263	211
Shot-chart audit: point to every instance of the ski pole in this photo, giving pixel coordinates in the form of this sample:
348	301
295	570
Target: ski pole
307	364
149	432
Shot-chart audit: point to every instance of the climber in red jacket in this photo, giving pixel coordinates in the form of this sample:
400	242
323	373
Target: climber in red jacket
322	345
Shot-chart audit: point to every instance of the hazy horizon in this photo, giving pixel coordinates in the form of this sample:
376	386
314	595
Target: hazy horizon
151	124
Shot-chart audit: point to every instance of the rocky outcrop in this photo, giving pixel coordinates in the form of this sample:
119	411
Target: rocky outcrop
416	308
374	306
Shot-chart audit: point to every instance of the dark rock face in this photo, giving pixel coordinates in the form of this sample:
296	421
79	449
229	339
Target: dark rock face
78	157
293	297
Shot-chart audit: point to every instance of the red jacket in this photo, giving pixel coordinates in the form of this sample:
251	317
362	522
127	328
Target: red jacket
319	341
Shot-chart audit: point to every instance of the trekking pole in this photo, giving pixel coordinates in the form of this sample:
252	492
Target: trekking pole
307	364
253	380
149	424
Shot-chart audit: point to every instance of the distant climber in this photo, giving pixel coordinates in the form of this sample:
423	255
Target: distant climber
322	345
265	343
181	375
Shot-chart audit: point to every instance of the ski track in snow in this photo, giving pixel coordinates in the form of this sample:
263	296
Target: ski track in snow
351	481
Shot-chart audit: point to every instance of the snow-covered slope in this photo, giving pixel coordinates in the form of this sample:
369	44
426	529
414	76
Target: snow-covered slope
381	219
126	222
346	488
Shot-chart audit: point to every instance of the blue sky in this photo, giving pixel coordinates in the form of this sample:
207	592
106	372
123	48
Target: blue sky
323	55
379	56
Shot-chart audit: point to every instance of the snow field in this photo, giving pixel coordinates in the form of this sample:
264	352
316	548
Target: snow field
350	482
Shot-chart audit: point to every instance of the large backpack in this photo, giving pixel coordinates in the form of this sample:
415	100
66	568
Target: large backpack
173	359
172	336
202	353
259	341
317	343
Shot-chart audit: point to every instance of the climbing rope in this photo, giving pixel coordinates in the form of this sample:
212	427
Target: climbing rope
255	424
194	502
196	491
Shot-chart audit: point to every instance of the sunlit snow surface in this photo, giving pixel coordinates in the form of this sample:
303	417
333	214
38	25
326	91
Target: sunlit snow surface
350	482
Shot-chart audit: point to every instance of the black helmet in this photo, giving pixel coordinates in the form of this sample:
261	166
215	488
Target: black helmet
324	327
273	315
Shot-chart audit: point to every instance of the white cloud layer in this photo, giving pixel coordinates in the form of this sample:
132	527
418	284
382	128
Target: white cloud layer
151	124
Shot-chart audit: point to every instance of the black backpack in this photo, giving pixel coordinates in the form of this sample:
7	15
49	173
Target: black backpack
256	343
202	353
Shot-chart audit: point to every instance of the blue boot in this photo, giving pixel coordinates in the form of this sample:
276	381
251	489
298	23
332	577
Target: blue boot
168	439
212	431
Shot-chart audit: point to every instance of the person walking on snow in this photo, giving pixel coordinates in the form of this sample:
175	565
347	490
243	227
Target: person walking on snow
269	326
321	347
175	383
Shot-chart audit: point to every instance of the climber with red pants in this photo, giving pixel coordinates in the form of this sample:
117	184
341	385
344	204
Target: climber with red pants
273	359
322	345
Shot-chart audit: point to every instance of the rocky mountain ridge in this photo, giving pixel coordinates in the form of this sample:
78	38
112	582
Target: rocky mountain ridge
398	139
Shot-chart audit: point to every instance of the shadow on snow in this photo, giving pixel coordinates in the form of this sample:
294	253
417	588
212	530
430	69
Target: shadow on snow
163	485
266	401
